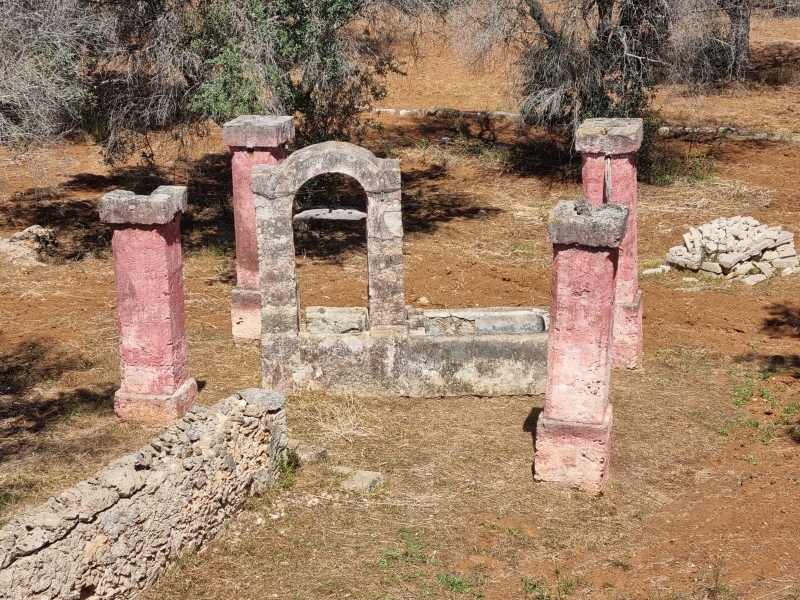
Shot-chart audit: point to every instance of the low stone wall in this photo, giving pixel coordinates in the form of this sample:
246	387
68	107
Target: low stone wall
113	535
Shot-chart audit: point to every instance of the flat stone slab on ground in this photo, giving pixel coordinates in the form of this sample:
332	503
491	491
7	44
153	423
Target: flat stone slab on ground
306	452
359	481
784	263
754	279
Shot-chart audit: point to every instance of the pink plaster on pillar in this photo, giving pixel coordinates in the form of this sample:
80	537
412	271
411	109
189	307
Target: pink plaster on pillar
617	140
573	435
579	339
156	387
253	140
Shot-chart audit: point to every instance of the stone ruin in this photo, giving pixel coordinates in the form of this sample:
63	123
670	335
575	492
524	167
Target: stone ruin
738	248
389	348
112	535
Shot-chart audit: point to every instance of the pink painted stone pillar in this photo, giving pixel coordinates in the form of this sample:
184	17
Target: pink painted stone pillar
573	434
254	140
148	269
609	146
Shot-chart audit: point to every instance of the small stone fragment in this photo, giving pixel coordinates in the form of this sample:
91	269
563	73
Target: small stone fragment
657	271
727	261
362	482
754	279
743	268
787	252
307	453
691	279
784	263
765	268
787	271
770	255
424	301
711	267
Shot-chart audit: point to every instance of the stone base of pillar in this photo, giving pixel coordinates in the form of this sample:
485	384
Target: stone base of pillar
154	410
246	316
574	455
626	351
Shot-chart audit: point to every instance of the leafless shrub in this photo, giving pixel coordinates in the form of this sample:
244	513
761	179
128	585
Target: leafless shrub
43	45
583	58
778	8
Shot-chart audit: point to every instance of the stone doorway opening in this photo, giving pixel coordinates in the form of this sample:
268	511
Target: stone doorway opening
330	239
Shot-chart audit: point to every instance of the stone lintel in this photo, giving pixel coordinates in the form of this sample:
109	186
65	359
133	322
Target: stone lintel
123	207
609	136
258	131
576	222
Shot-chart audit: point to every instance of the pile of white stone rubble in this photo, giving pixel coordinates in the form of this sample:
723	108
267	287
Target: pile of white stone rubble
737	248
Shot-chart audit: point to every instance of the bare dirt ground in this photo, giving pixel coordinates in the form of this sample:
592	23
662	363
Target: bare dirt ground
705	468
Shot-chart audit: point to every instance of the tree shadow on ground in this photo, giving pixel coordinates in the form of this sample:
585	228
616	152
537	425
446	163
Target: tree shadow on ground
783	322
24	409
72	207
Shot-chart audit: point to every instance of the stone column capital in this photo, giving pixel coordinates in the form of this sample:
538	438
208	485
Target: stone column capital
122	207
576	222
258	131
609	137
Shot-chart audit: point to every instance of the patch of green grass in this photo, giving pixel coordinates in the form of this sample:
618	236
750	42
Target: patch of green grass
751	459
288	465
524	248
460	586
408	554
768	434
751	423
792	409
743	393
71	407
764	393
535	589
700	166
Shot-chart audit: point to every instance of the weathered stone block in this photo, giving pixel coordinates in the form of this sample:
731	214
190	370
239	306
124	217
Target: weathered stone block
258	131
711	267
754	279
360	482
337	320
784	263
123	207
609	136
307	453
578	222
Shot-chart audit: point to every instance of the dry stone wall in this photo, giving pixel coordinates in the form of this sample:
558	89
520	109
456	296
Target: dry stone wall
111	536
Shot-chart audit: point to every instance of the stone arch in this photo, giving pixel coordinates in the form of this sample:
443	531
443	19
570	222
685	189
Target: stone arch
274	189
